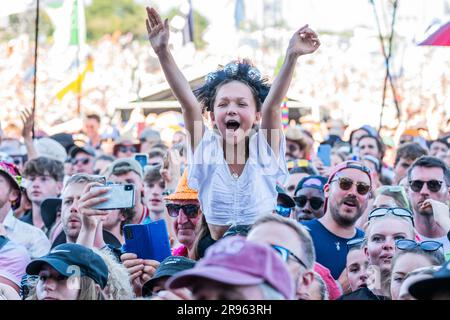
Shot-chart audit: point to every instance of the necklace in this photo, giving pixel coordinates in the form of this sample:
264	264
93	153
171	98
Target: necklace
234	174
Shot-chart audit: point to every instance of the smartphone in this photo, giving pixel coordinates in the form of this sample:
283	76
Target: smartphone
147	241
324	154
142	158
120	196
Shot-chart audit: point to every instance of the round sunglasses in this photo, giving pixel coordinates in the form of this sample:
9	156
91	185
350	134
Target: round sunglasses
432	185
190	210
315	202
346	183
406	244
397	211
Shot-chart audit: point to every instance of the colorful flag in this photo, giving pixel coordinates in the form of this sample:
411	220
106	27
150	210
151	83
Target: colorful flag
76	85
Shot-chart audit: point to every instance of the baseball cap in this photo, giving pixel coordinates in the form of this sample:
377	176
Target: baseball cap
150	135
346	165
424	289
49	211
236	261
168	267
285	198
77	149
314	181
50	148
64	257
120	166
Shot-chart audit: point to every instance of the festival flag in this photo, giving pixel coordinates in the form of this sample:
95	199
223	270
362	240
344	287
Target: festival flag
76	85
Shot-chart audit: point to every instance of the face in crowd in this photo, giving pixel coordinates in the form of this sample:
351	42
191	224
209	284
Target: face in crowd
309	204
382	233
235	111
439	150
83	163
126	150
186	214
368	146
356	266
42	187
431	182
53	286
153	196
8	194
348	195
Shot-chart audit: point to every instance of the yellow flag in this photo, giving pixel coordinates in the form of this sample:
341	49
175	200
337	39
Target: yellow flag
75	86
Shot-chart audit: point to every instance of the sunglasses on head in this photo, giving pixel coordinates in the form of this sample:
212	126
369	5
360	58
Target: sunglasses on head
283	211
397	211
127	149
346	183
432	185
82	160
190	210
315	202
358	242
286	254
429	246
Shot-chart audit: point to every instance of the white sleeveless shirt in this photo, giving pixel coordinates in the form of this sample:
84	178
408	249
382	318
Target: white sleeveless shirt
228	200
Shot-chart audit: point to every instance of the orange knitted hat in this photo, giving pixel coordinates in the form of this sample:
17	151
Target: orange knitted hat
183	192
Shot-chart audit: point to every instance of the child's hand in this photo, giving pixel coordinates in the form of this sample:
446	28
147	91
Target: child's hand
304	41
158	32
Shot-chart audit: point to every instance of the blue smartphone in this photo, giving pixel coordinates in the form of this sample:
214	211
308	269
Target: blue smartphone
142	158
324	154
147	241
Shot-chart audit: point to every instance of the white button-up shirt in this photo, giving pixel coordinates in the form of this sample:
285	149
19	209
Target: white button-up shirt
32	238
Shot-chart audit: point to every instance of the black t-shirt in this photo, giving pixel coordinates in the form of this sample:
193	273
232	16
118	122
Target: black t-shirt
362	294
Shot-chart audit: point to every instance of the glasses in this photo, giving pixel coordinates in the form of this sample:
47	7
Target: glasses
286	253
283	211
432	185
292	147
125	149
429	246
315	202
346	183
400	212
83	161
190	210
358	242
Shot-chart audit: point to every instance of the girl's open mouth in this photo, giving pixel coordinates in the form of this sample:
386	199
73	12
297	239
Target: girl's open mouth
232	125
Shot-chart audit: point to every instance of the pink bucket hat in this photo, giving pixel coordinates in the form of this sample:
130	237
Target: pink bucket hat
239	262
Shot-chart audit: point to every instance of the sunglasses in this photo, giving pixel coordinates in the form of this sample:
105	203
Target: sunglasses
286	254
315	202
190	210
283	211
346	183
399	212
432	185
358	242
292	147
83	161
126	149
429	246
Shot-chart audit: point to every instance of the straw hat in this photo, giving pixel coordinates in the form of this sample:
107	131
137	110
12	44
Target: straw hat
183	192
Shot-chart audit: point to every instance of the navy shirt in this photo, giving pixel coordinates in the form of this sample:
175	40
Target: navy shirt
331	250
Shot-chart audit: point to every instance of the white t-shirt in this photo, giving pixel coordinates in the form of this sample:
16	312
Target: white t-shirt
226	200
444	240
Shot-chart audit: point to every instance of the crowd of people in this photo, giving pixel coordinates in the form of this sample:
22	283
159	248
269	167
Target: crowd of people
251	210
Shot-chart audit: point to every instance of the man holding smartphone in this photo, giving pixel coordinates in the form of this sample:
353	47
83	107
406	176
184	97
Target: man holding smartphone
129	171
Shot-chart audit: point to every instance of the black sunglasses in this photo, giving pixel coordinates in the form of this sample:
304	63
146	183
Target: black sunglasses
432	185
358	242
346	183
292	147
406	244
84	161
286	253
190	210
397	211
315	202
126	149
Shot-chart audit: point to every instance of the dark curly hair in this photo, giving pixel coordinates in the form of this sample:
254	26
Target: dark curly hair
242	71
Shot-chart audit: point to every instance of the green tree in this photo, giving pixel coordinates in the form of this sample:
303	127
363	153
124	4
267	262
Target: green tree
105	17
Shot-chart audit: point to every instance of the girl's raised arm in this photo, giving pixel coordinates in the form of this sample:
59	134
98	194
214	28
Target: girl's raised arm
304	41
158	35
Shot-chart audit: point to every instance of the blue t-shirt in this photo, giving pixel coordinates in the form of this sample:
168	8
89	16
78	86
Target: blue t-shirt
331	250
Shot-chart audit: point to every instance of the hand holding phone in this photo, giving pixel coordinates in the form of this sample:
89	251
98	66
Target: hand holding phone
119	196
324	154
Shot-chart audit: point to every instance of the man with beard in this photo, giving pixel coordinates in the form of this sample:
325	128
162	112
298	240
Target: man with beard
346	196
429	192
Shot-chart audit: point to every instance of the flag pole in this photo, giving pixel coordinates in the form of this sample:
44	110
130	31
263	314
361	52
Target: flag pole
35	63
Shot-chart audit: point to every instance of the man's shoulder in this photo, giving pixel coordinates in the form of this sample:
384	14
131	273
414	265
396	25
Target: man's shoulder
32	230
